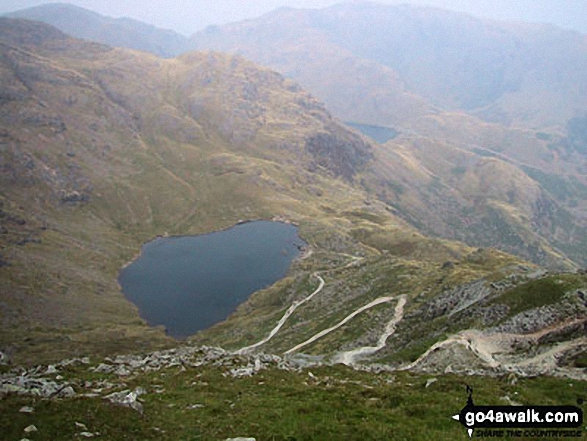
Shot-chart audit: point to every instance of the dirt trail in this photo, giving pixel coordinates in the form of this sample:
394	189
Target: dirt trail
349	357
549	358
283	319
295	305
349	317
498	350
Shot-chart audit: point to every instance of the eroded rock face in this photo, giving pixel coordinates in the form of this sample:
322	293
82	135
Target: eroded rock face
457	299
342	155
572	306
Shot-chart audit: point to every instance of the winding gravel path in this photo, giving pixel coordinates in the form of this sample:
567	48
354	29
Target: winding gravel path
349	357
295	305
283	319
349	317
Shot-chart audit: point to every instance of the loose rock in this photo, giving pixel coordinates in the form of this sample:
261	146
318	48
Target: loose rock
127	399
195	406
30	429
430	382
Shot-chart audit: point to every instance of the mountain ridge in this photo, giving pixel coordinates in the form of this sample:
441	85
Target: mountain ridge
126	32
86	131
477	37
308	44
102	149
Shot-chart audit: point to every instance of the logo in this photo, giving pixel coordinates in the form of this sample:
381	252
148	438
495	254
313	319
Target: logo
520	421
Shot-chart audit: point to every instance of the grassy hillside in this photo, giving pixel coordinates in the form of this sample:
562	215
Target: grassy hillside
480	197
103	149
392	79
328	403
480	90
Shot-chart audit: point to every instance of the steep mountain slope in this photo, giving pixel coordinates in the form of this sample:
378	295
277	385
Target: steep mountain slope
389	101
524	75
481	198
356	83
103	149
384	65
124	32
355	88
512	74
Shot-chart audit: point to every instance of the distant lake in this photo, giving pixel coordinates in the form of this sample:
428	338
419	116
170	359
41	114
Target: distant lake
379	134
189	283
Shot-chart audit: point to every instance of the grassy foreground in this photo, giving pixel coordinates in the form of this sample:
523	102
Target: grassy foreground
324	403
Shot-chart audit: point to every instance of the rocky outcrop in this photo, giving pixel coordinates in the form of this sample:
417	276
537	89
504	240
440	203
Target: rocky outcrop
47	382
457	299
533	320
343	154
74	197
37	386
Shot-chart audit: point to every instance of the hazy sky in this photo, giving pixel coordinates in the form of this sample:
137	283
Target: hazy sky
187	16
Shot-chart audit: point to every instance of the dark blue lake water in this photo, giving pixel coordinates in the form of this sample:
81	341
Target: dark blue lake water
190	283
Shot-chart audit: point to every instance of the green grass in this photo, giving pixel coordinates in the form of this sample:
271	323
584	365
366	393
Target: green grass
541	292
412	351
338	403
372	321
581	361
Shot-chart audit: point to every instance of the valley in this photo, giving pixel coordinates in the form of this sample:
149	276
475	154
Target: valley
443	223
469	152
446	135
315	173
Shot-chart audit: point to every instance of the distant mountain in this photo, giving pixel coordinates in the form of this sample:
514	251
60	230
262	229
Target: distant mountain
305	45
513	74
384	64
123	32
102	149
490	115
